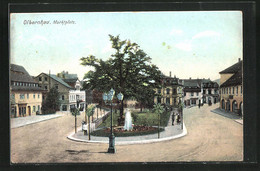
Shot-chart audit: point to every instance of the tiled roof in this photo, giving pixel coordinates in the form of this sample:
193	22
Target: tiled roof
191	83
19	74
234	80
232	69
59	80
26	88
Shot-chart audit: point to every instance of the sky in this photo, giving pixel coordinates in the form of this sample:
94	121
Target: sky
196	44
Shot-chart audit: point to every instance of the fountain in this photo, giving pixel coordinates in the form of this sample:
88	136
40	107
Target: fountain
128	121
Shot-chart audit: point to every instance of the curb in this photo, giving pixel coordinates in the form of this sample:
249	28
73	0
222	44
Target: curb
132	142
35	122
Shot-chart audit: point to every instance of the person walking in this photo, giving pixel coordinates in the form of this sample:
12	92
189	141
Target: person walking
173	115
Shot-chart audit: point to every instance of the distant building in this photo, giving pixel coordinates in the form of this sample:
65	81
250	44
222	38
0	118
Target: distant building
192	92
26	95
70	79
200	91
171	92
48	81
68	88
231	88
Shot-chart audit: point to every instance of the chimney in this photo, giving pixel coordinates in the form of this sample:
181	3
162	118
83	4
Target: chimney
170	74
239	59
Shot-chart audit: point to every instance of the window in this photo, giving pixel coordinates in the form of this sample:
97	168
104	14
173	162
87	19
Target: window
191	93
197	93
38	108
34	96
62	97
159	100
167	100
204	91
237	89
21	96
34	108
229	90
233	90
174	91
45	78
167	91
209	91
40	78
45	87
27	95
38	96
64	107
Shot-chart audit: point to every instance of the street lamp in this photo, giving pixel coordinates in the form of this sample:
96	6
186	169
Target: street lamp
76	112
108	97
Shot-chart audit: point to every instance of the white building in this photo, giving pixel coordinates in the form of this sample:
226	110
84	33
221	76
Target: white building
73	97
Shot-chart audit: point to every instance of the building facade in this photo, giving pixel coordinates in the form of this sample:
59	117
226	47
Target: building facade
171	91
231	88
200	91
73	97
192	92
25	93
48	81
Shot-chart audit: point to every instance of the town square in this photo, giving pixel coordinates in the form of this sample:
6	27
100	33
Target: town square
126	87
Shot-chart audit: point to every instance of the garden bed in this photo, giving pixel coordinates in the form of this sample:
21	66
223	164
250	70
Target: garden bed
120	132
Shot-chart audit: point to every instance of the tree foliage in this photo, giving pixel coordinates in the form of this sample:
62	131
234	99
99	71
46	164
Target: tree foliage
129	70
52	102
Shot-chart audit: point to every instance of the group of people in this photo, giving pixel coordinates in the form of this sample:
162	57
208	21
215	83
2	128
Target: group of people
176	117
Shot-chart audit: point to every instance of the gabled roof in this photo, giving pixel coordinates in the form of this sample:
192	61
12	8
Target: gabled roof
19	74
191	83
232	69
234	80
59	80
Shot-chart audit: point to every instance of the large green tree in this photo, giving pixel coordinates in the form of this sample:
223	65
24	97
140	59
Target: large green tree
52	102
129	71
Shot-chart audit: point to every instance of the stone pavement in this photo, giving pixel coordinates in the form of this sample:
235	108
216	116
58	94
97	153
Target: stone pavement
170	132
230	115
22	121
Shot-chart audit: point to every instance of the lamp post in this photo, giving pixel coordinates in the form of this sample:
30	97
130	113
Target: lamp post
108	97
76	112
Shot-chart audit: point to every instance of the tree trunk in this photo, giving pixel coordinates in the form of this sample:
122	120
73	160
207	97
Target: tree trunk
120	121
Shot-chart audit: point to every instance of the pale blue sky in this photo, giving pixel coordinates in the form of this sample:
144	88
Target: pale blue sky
189	44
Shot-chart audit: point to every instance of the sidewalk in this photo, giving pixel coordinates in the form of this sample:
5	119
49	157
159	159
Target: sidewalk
229	115
170	132
23	121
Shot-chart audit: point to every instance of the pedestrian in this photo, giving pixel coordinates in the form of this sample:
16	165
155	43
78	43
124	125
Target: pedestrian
173	115
178	118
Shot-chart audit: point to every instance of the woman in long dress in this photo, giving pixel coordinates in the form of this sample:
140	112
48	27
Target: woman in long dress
128	121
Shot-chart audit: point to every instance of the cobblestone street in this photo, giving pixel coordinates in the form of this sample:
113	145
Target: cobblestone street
210	137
